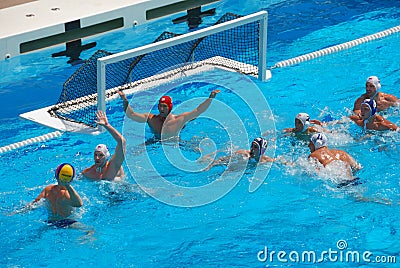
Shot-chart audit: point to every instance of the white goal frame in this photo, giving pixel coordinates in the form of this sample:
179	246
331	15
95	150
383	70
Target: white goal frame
263	73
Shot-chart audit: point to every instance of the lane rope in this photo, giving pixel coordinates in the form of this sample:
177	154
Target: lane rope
26	142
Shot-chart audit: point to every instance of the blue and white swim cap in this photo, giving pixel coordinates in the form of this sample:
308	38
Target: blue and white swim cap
304	119
102	148
261	144
375	81
319	140
371	104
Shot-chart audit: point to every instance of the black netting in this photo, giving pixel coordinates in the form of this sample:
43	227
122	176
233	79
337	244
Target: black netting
78	100
244	50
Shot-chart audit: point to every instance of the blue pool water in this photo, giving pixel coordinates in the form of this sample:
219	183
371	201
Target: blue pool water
294	210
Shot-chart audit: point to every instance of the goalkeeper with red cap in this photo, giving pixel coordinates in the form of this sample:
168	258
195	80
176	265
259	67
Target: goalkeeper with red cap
165	124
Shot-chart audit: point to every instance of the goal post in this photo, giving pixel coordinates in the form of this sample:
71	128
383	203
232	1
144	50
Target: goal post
262	48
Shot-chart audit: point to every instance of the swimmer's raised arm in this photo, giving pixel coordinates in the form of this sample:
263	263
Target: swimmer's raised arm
200	109
119	155
140	118
74	198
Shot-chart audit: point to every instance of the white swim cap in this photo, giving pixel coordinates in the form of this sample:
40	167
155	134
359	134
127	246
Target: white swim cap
319	140
375	81
304	119
102	148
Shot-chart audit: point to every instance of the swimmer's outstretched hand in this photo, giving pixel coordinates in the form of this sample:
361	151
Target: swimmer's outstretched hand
124	99
122	95
101	118
283	161
28	207
214	93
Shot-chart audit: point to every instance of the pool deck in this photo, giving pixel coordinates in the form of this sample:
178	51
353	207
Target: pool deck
28	25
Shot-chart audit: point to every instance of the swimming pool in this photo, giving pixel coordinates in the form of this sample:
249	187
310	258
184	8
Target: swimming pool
293	211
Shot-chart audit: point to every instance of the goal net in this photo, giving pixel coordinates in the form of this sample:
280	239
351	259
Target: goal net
234	43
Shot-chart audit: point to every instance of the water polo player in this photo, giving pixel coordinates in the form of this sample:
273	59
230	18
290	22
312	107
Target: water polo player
166	125
320	152
370	120
61	197
107	167
383	100
302	123
256	152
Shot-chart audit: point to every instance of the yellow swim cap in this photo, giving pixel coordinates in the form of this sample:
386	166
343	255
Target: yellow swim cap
65	172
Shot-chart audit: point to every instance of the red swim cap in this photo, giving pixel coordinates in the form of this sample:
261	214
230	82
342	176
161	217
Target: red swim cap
167	100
